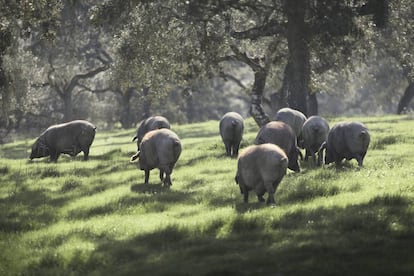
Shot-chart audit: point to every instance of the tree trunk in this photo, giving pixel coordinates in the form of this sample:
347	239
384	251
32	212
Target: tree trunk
312	105
126	116
299	72
189	103
406	98
256	108
5	97
280	99
146	104
68	106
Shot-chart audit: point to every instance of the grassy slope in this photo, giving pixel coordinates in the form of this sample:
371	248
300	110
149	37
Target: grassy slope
98	217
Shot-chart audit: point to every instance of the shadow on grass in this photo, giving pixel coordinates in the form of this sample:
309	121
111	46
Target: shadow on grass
15	152
26	206
252	205
152	198
111	155
194	161
161	194
117	144
78	167
302	191
191	162
148	188
374	238
381	142
23	152
26	210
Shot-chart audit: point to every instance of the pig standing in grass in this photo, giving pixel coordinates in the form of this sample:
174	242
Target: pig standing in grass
346	140
261	168
151	123
231	131
281	134
160	149
294	118
69	138
314	133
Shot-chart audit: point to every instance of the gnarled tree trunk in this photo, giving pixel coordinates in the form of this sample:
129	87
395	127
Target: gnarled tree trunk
256	108
260	75
406	98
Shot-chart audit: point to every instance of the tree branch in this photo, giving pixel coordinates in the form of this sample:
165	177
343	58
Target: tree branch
227	76
272	28
39	85
244	58
51	78
97	91
75	80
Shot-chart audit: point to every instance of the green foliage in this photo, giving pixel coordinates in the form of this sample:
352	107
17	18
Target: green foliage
18	20
159	49
98	217
401	34
171	47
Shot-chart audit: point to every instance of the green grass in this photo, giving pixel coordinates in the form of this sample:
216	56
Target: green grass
99	218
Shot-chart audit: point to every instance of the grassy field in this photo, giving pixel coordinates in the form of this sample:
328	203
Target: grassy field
98	218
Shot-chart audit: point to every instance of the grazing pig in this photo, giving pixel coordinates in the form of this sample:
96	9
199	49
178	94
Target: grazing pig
261	168
346	140
294	118
160	149
281	134
314	133
151	123
231	131
69	138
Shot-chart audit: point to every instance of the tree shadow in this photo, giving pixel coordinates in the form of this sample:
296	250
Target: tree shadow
242	207
162	195
26	210
191	162
148	188
118	144
373	238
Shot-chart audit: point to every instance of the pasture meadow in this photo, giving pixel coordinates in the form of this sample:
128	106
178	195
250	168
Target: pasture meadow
98	218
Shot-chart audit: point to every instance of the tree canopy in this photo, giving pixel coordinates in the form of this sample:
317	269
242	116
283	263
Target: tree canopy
142	52
18	19
313	36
